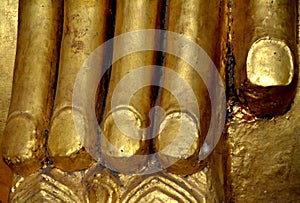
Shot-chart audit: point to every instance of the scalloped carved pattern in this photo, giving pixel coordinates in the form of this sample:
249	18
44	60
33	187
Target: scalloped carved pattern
160	189
42	188
103	187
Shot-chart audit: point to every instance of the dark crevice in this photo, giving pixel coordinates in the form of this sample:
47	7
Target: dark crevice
231	93
103	87
231	97
54	79
104	82
158	74
48	160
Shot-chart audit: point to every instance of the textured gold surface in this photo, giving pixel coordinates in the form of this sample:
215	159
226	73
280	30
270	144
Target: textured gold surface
130	16
32	91
262	162
264	44
49	186
270	62
182	150
160	189
188	18
85	28
102	187
8	44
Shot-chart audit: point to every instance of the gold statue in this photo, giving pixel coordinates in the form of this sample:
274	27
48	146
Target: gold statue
252	44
